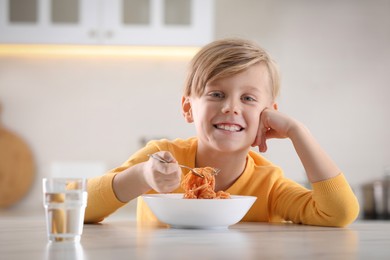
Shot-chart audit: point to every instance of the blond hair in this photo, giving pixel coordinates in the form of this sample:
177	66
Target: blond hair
227	57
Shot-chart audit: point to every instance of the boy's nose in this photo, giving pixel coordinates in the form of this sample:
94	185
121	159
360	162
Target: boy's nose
231	107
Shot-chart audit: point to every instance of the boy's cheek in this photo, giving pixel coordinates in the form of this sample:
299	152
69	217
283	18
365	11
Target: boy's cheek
253	135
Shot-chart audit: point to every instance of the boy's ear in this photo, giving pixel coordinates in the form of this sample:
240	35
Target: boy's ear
186	109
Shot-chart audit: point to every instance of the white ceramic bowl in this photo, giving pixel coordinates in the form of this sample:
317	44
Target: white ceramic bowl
177	212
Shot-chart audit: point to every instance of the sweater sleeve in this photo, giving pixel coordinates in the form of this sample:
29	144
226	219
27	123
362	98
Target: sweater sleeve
101	198
330	203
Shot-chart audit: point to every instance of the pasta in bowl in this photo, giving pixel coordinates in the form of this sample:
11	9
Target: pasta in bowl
173	209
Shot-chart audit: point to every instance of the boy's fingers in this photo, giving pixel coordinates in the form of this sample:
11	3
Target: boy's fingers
263	142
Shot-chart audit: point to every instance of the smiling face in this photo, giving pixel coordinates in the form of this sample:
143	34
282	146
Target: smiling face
227	114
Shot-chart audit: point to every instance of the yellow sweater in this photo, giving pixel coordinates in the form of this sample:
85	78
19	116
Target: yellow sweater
329	203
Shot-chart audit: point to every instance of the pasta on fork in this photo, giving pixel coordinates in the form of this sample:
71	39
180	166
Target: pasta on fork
202	188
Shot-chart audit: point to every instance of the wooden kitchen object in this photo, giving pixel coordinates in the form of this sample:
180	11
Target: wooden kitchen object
16	168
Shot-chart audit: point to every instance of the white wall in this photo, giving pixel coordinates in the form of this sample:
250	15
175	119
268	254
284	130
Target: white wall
90	109
334	58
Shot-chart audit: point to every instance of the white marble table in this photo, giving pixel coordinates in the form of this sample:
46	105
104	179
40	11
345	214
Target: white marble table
25	238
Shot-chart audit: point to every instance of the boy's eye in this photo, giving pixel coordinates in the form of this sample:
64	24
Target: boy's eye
248	98
216	94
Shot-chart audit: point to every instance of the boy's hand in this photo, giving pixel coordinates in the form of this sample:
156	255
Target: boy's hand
273	124
162	177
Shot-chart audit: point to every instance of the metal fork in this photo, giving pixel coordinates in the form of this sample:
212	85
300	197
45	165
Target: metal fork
193	171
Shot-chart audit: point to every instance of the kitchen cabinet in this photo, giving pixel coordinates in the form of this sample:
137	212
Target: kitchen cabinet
107	22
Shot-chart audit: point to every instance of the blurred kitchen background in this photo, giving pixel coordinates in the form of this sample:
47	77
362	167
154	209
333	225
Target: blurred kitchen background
82	85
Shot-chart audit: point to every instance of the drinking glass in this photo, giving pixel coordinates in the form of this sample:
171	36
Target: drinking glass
65	200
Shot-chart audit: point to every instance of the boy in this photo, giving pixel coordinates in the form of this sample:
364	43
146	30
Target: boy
230	97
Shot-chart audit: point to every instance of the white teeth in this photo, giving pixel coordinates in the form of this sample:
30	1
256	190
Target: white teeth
231	128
